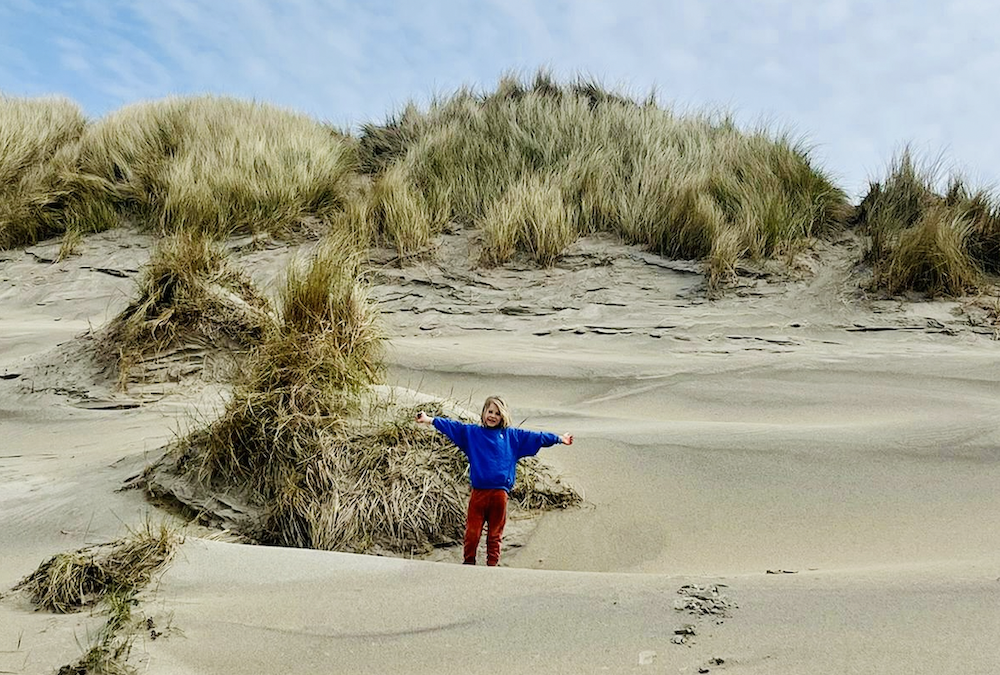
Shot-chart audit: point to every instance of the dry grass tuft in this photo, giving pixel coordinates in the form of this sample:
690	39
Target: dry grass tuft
69	582
922	240
188	295
110	574
382	486
377	484
390	486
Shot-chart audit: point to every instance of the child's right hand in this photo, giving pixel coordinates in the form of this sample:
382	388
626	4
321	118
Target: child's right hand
423	418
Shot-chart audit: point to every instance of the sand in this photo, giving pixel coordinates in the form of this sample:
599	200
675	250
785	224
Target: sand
827	461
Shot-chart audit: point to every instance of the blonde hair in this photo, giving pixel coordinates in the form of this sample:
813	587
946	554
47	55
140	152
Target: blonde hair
501	407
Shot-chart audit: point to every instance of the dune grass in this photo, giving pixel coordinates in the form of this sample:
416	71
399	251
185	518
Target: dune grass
313	441
108	575
300	384
216	165
537	165
925	240
38	145
390	486
188	294
69	582
210	164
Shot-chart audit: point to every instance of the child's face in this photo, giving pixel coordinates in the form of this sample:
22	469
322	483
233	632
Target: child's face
491	418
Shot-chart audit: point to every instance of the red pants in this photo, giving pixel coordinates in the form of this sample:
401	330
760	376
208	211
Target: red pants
489	506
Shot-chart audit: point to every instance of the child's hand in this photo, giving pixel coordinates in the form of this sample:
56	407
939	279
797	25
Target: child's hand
423	418
567	439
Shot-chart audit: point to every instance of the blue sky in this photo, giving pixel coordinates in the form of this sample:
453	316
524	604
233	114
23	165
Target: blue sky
856	79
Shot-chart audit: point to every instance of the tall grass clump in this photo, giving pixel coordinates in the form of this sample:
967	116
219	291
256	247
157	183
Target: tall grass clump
536	165
926	240
38	144
400	213
301	385
322	454
532	217
217	165
188	295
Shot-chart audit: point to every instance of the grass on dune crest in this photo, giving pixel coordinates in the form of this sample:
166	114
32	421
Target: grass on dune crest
311	439
38	144
920	239
215	164
209	164
188	294
537	165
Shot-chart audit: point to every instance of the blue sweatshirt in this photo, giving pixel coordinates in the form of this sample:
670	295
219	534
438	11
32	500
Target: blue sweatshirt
493	453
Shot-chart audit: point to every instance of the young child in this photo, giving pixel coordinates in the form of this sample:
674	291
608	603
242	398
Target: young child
493	449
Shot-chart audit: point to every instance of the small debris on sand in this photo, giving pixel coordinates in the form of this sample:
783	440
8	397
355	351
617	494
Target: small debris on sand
703	600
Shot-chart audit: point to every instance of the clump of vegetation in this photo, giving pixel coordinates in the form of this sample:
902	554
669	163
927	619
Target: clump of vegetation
69	582
299	386
314	443
188	294
38	145
538	165
217	165
926	241
209	164
389	486
111	575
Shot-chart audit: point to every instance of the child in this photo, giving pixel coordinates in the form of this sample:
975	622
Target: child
493	449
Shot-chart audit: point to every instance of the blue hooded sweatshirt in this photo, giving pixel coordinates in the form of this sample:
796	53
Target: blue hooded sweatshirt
493	453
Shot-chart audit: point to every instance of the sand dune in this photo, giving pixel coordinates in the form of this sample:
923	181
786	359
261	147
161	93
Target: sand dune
851	447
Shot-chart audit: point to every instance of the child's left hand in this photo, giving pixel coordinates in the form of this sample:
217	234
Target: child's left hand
567	439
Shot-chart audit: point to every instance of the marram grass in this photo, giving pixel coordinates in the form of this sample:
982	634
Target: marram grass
38	145
537	165
210	164
932	256
215	164
110	576
68	582
919	239
324	455
188	294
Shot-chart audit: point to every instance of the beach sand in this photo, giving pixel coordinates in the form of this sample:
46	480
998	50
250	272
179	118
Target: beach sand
826	463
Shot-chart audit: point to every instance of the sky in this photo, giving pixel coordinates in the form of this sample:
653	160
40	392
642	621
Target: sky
856	81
